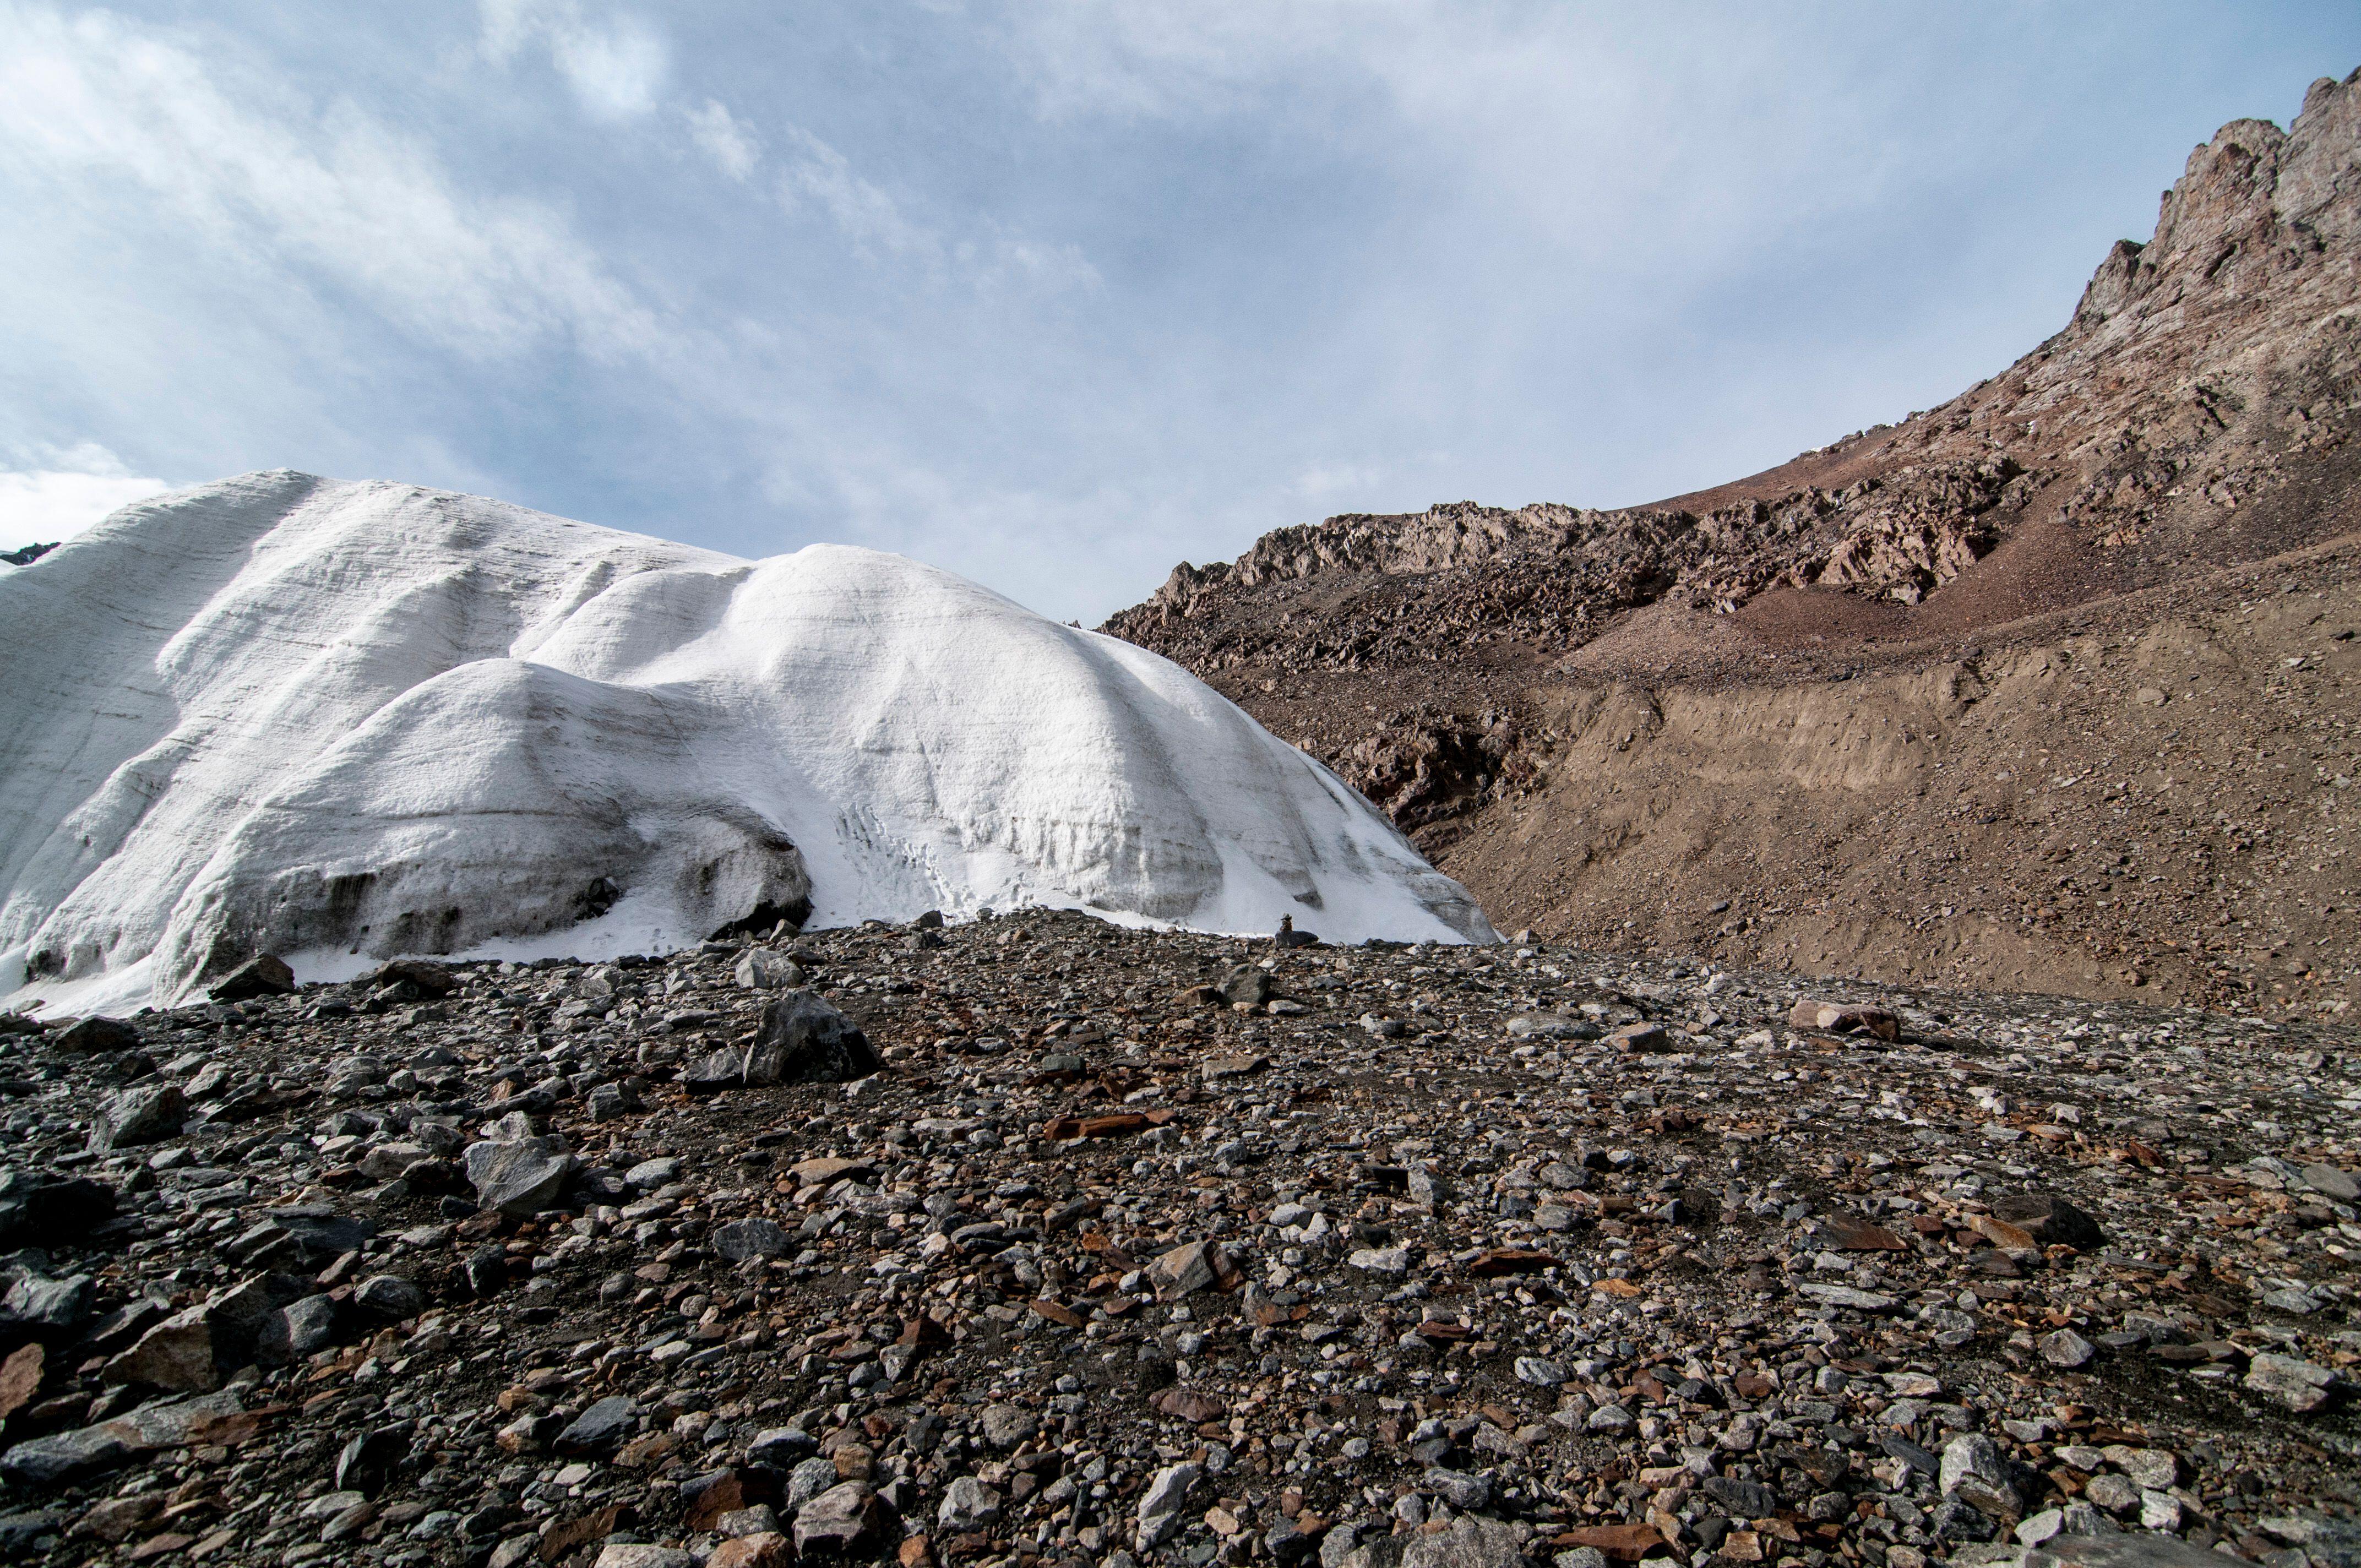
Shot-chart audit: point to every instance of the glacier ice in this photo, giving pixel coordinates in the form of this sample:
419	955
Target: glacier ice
344	720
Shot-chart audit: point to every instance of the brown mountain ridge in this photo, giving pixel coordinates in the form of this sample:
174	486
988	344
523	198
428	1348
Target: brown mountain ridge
2051	687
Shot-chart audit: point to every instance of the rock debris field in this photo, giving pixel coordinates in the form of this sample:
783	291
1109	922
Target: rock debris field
1035	1241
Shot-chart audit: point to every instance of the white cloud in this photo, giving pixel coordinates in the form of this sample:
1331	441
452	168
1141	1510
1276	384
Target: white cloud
241	165
726	139
59	493
616	67
1611	139
863	212
1323	481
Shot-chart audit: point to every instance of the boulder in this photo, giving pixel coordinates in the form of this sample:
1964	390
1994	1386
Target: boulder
1160	1505
46	1308
300	1328
2302	1385
757	1237
761	969
1183	1271
177	1354
520	1177
846	1518
600	1429
307	1236
803	1039
416	975
145	1113
1976	1471
640	1555
1247	985
1845	1018
2050	1221
968	1504
94	1035
262	975
37	1209
389	1296
65	1456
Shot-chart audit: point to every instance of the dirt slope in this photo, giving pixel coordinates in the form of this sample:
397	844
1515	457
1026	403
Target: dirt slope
2169	487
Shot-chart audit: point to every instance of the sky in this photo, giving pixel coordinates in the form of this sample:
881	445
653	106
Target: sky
1055	295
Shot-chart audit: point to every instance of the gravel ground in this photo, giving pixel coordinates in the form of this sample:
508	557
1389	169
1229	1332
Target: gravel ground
1147	1248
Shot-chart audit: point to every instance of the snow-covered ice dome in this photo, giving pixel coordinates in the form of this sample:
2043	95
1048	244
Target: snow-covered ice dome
340	721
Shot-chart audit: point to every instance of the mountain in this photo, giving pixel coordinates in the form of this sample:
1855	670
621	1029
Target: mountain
339	721
1623	726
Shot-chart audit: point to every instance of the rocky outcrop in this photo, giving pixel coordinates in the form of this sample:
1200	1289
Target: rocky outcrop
2183	447
2214	368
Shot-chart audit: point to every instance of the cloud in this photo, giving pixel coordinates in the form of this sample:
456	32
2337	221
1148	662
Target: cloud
726	139
864	213
327	195
59	493
616	67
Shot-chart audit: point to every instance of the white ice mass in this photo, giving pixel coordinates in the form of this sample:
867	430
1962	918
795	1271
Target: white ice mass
340	721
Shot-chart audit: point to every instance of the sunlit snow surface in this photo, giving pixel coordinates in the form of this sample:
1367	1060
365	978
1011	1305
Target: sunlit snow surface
339	721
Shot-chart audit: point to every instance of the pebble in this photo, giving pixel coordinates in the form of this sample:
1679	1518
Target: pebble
1480	1278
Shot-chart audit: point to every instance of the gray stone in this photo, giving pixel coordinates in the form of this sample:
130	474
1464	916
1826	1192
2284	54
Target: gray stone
2066	1348
1247	985
803	1039
177	1354
47	1305
1539	1371
640	1555
1160	1505
2112	1549
52	1461
1005	1426
760	969
600	1429
386	1161
95	1034
650	1174
1470	1542
144	1113
780	1447
2331	1182
264	974
303	1327
808	1479
1741	1499
1466	1493
1847	1296
757	1237
2302	1385
310	1235
389	1296
520	1176
1183	1271
1974	1469
2116	1493
968	1504
848	1518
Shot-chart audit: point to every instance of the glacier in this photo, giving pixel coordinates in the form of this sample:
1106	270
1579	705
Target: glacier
343	721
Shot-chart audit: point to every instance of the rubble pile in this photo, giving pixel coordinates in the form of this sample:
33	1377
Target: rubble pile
1036	1241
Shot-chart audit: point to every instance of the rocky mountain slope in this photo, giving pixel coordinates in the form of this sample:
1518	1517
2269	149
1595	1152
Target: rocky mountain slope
343	721
1619	725
1104	1247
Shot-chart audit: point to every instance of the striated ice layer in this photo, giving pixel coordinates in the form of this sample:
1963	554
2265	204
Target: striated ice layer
344	720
